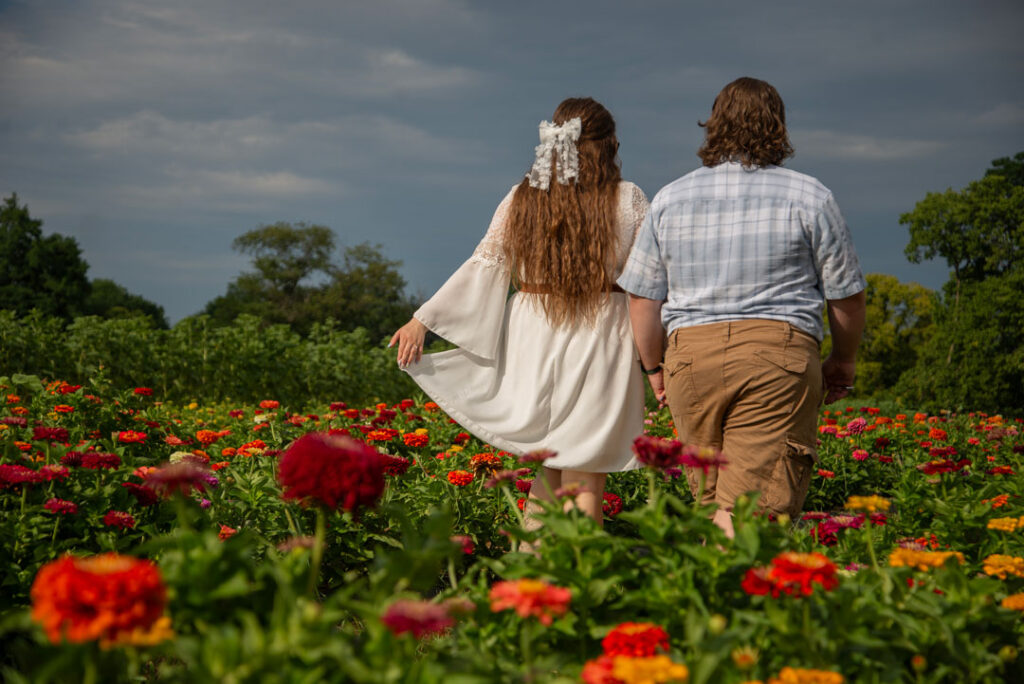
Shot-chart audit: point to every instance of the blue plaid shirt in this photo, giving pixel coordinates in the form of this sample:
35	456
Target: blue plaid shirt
727	243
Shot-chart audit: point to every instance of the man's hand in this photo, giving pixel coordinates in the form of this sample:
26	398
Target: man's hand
838	377
410	342
657	381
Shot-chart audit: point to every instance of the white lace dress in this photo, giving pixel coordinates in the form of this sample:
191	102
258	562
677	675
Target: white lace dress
521	384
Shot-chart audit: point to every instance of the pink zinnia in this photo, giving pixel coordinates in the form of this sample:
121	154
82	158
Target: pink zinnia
146	496
422	618
703	458
660	454
93	461
183	477
17	474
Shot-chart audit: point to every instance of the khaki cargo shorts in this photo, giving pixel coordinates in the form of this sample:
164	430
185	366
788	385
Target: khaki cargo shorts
751	389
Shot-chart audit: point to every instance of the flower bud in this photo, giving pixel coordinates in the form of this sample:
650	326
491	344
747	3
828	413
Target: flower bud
717	624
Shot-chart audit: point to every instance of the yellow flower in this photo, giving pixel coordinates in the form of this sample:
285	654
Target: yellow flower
651	670
193	406
868	504
454	449
745	657
795	675
422	431
1000	566
1003	524
922	560
1013	602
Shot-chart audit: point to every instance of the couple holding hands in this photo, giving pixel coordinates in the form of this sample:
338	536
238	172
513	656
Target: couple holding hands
713	292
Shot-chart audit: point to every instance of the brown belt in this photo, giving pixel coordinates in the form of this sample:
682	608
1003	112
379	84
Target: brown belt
541	288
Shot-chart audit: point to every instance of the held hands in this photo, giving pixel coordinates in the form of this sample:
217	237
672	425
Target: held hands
410	342
657	382
838	378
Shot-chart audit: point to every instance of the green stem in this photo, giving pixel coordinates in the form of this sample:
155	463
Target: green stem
652	489
452	577
868	536
512	502
318	550
700	489
56	524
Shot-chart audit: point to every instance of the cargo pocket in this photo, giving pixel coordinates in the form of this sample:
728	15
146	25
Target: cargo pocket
781	378
680	387
790	479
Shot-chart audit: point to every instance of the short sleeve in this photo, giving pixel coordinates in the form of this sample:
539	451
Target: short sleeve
645	274
834	256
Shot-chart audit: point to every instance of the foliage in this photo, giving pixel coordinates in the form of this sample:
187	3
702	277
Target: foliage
975	356
36	271
295	282
245	361
241	609
107	299
1010	168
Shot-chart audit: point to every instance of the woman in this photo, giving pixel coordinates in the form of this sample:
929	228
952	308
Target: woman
554	366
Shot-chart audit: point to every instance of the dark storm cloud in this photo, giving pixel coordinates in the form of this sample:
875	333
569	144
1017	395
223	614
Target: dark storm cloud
156	132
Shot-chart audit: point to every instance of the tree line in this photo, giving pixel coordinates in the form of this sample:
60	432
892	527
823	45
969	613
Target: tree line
961	347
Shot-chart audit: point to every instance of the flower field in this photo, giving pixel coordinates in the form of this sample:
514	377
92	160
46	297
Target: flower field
152	541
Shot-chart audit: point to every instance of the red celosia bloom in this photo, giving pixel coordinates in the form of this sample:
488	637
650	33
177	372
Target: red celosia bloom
660	454
106	597
131	437
635	639
180	477
395	465
421	618
118	519
269	404
144	495
465	542
226	532
337	472
460	478
96	461
50	434
612	505
530	597
143	391
415	440
61	506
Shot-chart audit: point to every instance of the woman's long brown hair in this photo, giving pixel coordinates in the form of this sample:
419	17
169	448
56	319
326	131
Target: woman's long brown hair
565	237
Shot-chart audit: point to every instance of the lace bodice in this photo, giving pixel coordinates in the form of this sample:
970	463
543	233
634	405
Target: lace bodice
632	207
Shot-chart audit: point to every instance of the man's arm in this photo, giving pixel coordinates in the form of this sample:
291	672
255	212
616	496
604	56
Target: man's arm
645	317
846	322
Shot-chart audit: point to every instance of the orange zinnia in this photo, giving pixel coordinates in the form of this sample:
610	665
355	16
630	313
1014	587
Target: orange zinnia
530	597
109	598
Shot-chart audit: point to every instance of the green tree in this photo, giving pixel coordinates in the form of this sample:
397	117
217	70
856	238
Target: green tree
36	271
295	281
1010	168
111	300
899	319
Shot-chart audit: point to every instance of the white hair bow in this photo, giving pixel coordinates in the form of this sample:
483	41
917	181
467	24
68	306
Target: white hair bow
560	140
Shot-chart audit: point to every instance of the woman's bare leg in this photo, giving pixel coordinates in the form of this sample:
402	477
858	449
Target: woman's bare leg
547	481
591	500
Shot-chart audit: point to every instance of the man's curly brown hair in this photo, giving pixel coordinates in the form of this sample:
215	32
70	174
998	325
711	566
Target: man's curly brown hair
747	125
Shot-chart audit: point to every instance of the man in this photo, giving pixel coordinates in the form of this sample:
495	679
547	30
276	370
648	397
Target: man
735	261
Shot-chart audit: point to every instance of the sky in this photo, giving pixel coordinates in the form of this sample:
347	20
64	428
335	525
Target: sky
157	132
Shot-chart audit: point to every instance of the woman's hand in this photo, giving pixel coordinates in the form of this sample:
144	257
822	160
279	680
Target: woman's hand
410	342
657	381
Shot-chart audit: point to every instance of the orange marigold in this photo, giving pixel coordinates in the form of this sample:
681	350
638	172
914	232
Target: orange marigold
530	597
110	598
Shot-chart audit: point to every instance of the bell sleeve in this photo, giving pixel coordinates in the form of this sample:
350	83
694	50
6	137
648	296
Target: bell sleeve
469	309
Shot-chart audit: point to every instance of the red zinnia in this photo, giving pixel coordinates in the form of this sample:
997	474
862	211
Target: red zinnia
61	506
53	472
226	532
395	465
131	437
50	434
94	461
111	598
422	618
635	639
660	454
612	505
460	478
414	439
143	494
119	519
792	573
143	391
269	404
338	472
17	474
